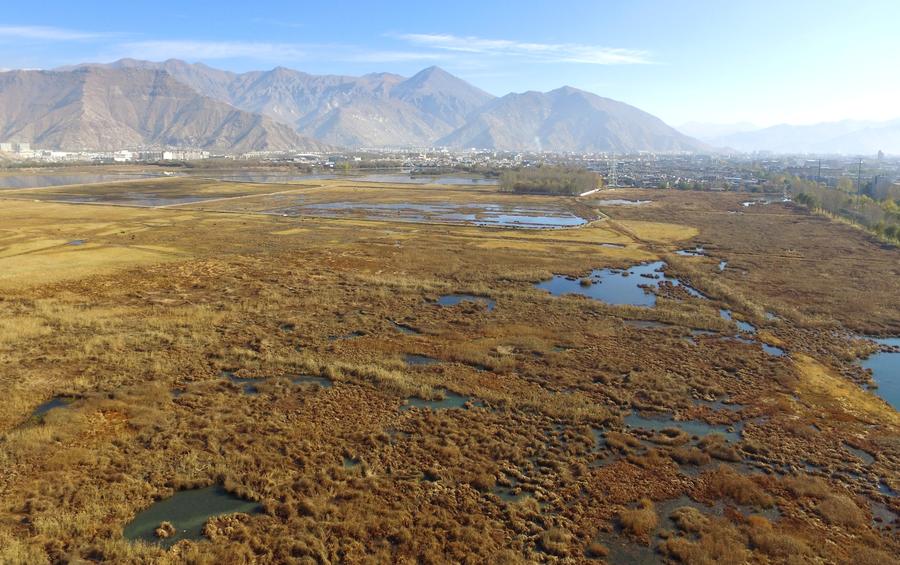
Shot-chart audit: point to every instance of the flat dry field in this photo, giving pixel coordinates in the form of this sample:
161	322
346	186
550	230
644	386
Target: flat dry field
176	315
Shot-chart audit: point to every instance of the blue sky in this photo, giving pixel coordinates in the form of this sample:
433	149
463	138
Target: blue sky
764	61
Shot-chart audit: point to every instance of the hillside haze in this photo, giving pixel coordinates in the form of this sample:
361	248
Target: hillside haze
138	103
843	137
98	108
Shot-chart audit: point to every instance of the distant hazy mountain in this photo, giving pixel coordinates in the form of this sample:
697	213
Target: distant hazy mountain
847	136
97	108
567	119
706	131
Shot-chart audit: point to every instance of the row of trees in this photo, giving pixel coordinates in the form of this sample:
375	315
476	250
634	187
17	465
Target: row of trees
879	215
549	180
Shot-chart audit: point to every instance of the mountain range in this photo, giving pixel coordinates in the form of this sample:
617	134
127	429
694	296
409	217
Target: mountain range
132	103
113	108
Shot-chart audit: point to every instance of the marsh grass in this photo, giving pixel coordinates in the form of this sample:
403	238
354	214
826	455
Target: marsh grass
122	340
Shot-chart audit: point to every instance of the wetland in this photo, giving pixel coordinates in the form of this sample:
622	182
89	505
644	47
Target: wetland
258	387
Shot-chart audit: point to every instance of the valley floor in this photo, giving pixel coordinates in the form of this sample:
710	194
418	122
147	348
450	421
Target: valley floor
174	334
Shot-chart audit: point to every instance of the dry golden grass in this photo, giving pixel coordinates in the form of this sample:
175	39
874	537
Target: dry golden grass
840	395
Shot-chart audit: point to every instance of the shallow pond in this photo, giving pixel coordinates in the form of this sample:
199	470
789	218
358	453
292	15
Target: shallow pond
450	400
478	214
615	286
885	366
142	199
865	456
454	299
647	324
311	379
744	327
691	427
695	252
13	182
425	179
405	329
248	382
419	360
721	405
620	202
55	402
269	178
351	335
187	511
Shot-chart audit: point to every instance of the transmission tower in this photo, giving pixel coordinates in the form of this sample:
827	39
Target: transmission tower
613	174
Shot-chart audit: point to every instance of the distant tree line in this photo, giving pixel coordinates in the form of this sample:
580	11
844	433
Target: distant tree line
549	180
876	208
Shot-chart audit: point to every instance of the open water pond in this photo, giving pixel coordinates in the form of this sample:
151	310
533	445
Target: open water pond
454	299
695	252
865	456
311	379
425	179
141	199
269	178
419	360
744	327
615	286
249	383
473	213
620	202
450	401
405	329
690	427
885	366
187	511
55	402
14	182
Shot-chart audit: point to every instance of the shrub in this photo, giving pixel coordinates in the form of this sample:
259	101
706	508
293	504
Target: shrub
805	485
556	541
725	482
838	510
640	521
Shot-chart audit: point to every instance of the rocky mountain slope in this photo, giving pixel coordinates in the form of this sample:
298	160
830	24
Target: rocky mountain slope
96	108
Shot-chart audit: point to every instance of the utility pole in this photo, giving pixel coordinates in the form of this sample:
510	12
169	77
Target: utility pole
858	183
819	174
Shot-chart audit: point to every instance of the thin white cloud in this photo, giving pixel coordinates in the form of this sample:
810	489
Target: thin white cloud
266	52
544	52
393	56
43	33
165	49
